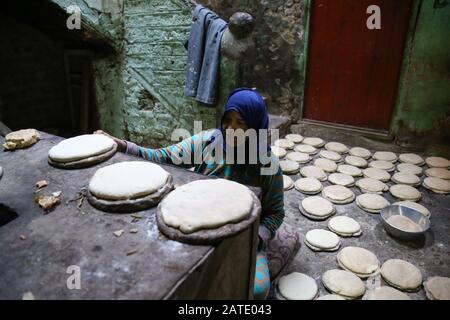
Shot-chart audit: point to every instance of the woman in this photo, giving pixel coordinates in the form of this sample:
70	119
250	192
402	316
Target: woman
245	109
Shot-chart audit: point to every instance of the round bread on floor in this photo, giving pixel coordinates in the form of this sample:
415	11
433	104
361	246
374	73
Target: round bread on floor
350	170
411	158
377	174
371	202
437	185
288	183
401	275
438	162
336	147
341	179
338	194
330	155
313	141
313	172
404	192
386	293
330	297
369	185
344	226
284	143
415	206
358	260
278	152
322	240
385	156
343	283
409	168
437	288
289	166
383	165
295	138
304	148
316	208
438	173
297	286
356	161
299	157
308	185
360	152
326	165
406	178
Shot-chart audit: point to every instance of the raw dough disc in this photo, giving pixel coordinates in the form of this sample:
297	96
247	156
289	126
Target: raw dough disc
316	207
344	226
21	139
411	158
127	180
370	202
343	283
313	172
288	183
295	138
315	142
350	170
338	194
322	240
206	204
437	288
437	162
304	148
438	173
377	174
369	185
383	165
437	185
336	147
409	168
401	275
330	297
386	293
404	192
341	179
406	178
289	166
358	260
297	286
284	143
326	165
360	152
81	147
356	161
330	155
308	185
415	206
278	152
385	156
299	157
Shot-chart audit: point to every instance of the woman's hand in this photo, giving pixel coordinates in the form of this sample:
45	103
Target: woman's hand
121	144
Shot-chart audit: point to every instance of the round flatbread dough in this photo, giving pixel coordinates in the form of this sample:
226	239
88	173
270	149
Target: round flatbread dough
288	183
350	170
299	157
371	202
409	168
386	293
330	297
437	162
415	206
406	178
127	180
289	166
308	185
377	174
411	158
206	204
344	226
356	161
358	260
401	275
326	165
438	173
383	165
322	240
360	152
336	147
437	185
278	152
330	155
338	194
295	138
81	147
316	208
341	179
343	283
437	288
297	286
369	185
284	143
315	142
385	156
313	172
304	148
404	192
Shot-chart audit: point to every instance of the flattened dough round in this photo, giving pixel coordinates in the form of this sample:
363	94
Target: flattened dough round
326	165
336	147
437	162
386	293
313	141
313	172
288	183
299	157
358	260
284	143
278	152
438	173
304	148
385	156
383	165
369	185
350	170
415	206
404	192
308	185
360	152
330	297
330	155
317	206
341	179
409	168
411	158
437	288
343	283
344	226
322	239
297	286
370	202
289	166
401	274
405	178
356	161
338	194
295	138
377	174
437	185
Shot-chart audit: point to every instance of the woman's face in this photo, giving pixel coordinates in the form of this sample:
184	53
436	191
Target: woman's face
232	120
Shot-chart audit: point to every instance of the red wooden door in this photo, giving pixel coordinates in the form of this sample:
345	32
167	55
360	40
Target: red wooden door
352	72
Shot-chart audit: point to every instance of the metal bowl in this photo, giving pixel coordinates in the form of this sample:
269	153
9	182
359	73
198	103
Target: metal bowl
416	216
